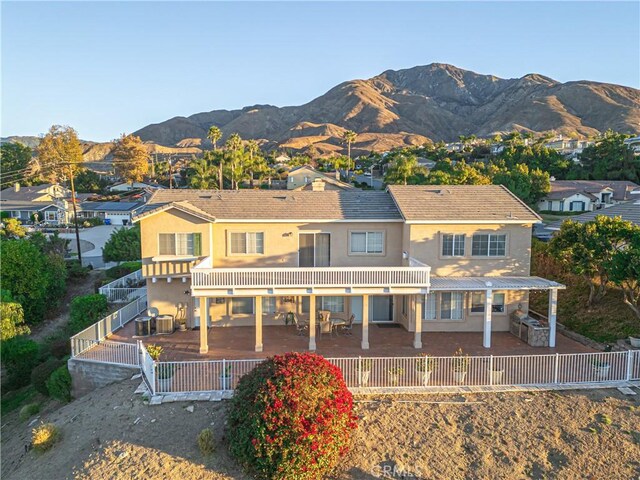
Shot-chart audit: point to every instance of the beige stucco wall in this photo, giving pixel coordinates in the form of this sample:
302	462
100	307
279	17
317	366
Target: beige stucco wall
281	244
426	246
297	178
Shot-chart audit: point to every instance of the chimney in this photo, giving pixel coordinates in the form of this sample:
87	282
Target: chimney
317	185
16	187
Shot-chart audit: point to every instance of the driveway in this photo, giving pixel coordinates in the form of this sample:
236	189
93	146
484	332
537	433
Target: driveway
96	236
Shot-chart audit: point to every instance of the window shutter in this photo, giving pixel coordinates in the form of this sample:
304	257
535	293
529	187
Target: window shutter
197	244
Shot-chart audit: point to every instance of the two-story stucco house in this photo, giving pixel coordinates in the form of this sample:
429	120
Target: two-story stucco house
429	258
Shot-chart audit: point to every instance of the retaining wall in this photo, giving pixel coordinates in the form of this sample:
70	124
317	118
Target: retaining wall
87	375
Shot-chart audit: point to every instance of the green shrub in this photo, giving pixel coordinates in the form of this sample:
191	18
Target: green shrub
19	356
44	436
123	245
92	222
291	417
87	310
41	373
59	347
76	270
59	384
29	410
206	442
123	269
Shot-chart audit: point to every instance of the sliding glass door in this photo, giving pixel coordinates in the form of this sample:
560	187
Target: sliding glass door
314	250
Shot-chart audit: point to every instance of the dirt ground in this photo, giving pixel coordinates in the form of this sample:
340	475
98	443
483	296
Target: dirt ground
60	316
112	434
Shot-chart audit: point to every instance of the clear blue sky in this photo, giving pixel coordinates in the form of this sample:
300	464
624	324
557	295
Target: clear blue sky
107	68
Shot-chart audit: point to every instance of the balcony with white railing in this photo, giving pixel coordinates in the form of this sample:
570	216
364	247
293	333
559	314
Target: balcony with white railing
206	280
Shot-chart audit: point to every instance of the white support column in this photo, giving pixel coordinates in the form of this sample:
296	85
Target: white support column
417	312
258	309
312	322
365	322
488	303
204	323
553	307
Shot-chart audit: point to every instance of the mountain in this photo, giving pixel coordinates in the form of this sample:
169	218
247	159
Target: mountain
411	106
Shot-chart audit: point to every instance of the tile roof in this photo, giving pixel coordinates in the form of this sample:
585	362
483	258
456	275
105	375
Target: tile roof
109	206
561	189
460	203
9	205
277	204
627	211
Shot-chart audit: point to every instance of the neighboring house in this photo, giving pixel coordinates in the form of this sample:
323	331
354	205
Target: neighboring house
112	213
126	186
48	203
569	147
428	258
627	211
585	195
281	159
303	178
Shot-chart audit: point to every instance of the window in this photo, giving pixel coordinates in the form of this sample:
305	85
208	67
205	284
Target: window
268	305
477	302
451	306
367	242
333	304
489	245
453	245
242	305
180	244
50	216
429	307
246	243
305	304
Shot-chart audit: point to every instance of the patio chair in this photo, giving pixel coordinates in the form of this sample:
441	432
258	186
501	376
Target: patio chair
324	325
301	327
347	328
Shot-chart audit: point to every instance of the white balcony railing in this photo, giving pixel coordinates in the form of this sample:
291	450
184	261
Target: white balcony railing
327	277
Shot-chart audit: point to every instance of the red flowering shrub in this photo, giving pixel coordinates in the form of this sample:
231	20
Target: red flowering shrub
291	417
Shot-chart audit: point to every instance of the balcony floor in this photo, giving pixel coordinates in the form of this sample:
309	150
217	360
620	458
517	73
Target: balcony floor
238	343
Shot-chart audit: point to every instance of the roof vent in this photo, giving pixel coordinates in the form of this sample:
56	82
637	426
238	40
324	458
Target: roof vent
206	196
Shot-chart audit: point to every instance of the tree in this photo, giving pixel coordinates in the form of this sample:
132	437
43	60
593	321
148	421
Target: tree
15	159
36	279
624	270
12	317
59	154
610	159
349	136
130	158
214	134
88	181
123	245
403	169
587	249
234	150
12	228
528	185
201	174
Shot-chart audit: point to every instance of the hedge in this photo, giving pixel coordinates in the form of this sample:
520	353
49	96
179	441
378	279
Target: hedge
41	373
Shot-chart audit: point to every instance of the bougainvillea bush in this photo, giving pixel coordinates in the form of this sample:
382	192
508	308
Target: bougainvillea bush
291	417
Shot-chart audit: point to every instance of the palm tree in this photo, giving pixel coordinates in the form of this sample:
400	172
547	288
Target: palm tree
214	135
403	167
349	136
201	174
235	150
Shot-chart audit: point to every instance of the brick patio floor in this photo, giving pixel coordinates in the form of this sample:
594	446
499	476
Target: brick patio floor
238	343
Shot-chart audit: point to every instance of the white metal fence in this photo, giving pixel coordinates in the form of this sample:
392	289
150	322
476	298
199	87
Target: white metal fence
85	341
368	374
125	289
109	352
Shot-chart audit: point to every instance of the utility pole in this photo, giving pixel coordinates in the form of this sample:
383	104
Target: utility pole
75	214
170	174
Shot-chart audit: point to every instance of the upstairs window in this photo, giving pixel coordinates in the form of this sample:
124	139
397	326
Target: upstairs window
489	245
367	243
180	244
246	243
453	245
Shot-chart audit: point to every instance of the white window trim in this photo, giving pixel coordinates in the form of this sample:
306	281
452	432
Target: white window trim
464	245
438	306
367	254
506	245
314	233
264	246
504	305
